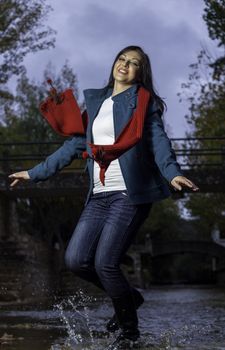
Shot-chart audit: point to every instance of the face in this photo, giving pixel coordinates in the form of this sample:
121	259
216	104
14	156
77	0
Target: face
127	68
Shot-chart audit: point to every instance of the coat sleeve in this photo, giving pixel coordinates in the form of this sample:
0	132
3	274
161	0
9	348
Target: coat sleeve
70	150
160	145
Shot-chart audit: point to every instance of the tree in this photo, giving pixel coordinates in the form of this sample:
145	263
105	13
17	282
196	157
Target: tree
23	123
21	31
205	91
23	114
22	120
214	16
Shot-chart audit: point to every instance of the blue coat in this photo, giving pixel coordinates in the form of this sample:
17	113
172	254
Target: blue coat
147	167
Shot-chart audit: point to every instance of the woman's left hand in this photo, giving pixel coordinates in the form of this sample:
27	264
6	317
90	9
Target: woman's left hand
179	182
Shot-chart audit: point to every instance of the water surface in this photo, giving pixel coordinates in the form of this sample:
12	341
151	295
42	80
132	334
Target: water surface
172	317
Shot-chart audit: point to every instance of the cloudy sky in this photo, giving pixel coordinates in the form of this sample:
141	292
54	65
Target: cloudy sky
91	32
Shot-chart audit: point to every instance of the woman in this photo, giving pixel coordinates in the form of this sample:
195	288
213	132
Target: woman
120	199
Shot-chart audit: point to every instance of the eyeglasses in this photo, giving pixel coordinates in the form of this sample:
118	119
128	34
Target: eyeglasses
134	64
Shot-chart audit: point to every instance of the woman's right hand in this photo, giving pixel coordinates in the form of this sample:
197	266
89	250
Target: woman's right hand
17	177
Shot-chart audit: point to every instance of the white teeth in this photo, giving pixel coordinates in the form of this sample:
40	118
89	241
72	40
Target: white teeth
122	71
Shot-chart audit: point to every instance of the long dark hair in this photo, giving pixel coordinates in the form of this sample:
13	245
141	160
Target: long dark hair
145	78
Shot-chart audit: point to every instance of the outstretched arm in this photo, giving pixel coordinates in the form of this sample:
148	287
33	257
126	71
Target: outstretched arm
70	150
164	154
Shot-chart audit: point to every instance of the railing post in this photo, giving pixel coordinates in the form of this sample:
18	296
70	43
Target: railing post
5	165
223	155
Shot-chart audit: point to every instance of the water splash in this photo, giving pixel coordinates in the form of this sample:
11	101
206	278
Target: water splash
167	339
83	300
74	314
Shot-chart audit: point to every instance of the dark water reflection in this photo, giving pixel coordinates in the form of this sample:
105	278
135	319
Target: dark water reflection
172	318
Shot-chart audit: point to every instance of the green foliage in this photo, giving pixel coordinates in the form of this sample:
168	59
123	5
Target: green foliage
21	31
168	228
206	98
214	16
210	208
168	209
205	92
22	121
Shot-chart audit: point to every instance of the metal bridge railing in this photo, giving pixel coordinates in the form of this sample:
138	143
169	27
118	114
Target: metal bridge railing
195	152
190	152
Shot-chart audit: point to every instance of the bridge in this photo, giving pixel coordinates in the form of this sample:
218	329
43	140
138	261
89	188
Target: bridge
204	165
213	253
164	247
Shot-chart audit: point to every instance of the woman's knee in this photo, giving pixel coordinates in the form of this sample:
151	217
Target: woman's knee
70	261
105	271
76	263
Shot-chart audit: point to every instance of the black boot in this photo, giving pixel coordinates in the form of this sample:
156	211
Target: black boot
128	322
122	343
112	325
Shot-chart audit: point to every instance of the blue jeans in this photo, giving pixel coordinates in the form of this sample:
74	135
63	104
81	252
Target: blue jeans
106	228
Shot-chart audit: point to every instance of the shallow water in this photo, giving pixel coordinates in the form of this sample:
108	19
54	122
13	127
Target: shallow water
181	317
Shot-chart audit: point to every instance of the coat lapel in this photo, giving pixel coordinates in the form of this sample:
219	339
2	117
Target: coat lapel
122	112
123	107
94	99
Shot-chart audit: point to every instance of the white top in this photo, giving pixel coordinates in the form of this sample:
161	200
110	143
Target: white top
103	134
